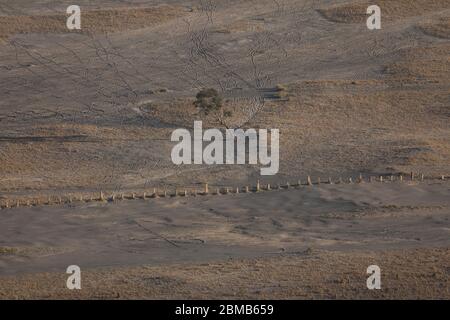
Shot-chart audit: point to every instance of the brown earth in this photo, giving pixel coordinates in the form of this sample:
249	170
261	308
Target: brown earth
409	274
95	21
386	97
307	242
355	11
93	110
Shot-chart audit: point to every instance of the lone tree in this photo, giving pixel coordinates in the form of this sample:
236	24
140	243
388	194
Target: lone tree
210	101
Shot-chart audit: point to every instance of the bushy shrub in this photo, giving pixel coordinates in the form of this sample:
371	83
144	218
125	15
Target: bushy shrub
208	100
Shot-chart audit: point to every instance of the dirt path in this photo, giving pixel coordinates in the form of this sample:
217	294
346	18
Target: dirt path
354	217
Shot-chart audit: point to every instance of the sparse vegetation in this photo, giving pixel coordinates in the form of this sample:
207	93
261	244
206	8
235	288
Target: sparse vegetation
86	118
209	102
282	91
110	20
281	88
7	250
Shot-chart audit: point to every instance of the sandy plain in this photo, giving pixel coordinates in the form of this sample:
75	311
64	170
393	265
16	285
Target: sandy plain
82	112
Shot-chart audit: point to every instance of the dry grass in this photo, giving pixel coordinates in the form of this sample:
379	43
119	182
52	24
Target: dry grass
406	274
439	29
430	63
394	121
7	251
243	25
355	12
96	21
377	128
56	160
